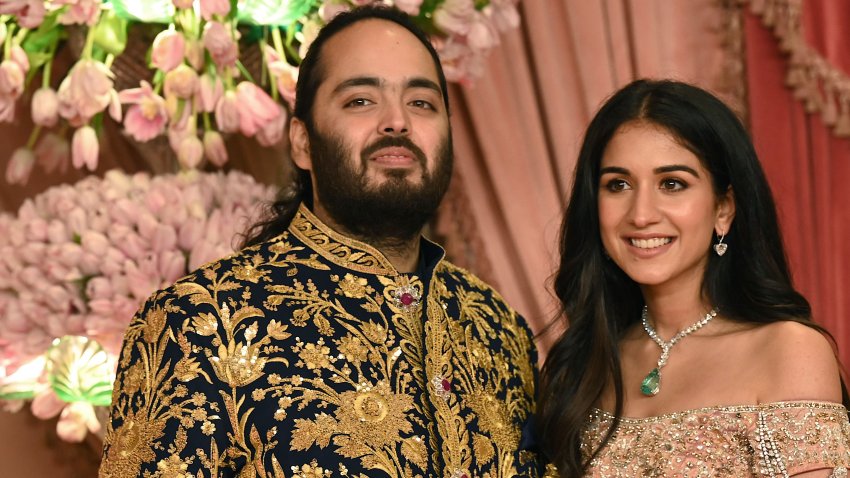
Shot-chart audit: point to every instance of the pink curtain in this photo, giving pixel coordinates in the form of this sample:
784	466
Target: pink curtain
806	163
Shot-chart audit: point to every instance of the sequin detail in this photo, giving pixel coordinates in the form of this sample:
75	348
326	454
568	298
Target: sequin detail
770	440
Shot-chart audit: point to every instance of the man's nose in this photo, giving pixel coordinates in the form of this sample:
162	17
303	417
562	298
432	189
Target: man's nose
394	120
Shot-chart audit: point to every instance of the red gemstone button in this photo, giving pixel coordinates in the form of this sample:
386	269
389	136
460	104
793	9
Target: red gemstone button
406	298
447	386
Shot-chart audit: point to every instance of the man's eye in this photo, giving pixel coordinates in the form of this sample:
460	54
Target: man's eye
359	102
422	104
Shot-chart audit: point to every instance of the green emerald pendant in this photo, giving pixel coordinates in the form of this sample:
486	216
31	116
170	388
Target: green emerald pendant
651	383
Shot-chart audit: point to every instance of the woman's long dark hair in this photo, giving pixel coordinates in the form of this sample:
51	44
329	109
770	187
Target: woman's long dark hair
750	283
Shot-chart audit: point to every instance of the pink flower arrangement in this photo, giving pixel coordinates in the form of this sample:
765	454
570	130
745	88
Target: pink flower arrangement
199	83
79	260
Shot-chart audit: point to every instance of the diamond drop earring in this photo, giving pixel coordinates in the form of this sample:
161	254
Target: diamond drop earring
720	247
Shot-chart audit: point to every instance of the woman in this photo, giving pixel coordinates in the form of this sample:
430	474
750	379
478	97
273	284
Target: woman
688	351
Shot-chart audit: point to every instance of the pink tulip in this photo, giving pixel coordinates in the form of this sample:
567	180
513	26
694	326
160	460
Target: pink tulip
210	90
182	3
410	7
164	239
86	91
19	56
285	75
503	13
147	117
29	13
57	233
94	242
20	166
195	54
53	153
68	254
483	34
11	78
146	223
209	8
81	12
309	32
214	148
85	148
329	10
256	108
181	82
45	107
132	246
7	108
75	420
36	231
221	44
140	279
99	288
168	50
203	252
227	112
272	132
190	233
190	152
172	265
47	404
455	16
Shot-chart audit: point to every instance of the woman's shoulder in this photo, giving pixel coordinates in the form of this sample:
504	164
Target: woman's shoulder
797	363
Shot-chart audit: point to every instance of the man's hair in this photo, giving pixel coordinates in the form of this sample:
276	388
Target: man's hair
310	76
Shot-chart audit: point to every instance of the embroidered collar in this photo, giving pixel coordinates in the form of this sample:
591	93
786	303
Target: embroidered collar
351	253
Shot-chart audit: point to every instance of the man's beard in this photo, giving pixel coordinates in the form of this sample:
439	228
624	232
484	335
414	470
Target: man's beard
388	214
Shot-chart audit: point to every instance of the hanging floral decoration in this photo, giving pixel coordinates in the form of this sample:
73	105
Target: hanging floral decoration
77	261
199	85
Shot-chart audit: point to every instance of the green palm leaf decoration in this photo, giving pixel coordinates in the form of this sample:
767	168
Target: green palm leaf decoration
79	371
274	12
146	11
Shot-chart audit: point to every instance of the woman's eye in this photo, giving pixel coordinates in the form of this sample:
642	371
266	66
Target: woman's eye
617	185
673	185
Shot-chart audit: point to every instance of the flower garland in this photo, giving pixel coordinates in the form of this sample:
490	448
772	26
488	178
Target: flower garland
78	261
199	87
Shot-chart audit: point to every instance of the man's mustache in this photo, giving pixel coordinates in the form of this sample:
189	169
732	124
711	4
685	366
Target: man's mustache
393	142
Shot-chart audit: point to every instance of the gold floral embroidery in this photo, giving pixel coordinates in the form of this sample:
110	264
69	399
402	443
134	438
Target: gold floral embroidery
294	359
337	248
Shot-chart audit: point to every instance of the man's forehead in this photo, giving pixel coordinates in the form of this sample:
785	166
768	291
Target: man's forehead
377	48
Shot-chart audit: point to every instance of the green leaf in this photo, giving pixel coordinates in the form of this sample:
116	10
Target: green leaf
275	12
46	36
79	371
146	11
7	394
110	33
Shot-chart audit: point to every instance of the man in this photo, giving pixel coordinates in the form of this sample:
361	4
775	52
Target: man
339	343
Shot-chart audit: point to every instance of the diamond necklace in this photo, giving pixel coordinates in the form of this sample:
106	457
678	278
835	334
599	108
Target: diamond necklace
651	384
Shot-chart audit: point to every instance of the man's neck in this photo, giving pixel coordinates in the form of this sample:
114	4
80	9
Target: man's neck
403	254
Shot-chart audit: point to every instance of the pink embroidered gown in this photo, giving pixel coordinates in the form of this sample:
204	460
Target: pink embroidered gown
769	440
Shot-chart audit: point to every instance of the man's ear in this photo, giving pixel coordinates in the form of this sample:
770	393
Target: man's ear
300	141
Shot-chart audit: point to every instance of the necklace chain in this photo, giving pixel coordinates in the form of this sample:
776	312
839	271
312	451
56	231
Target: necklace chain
652	383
